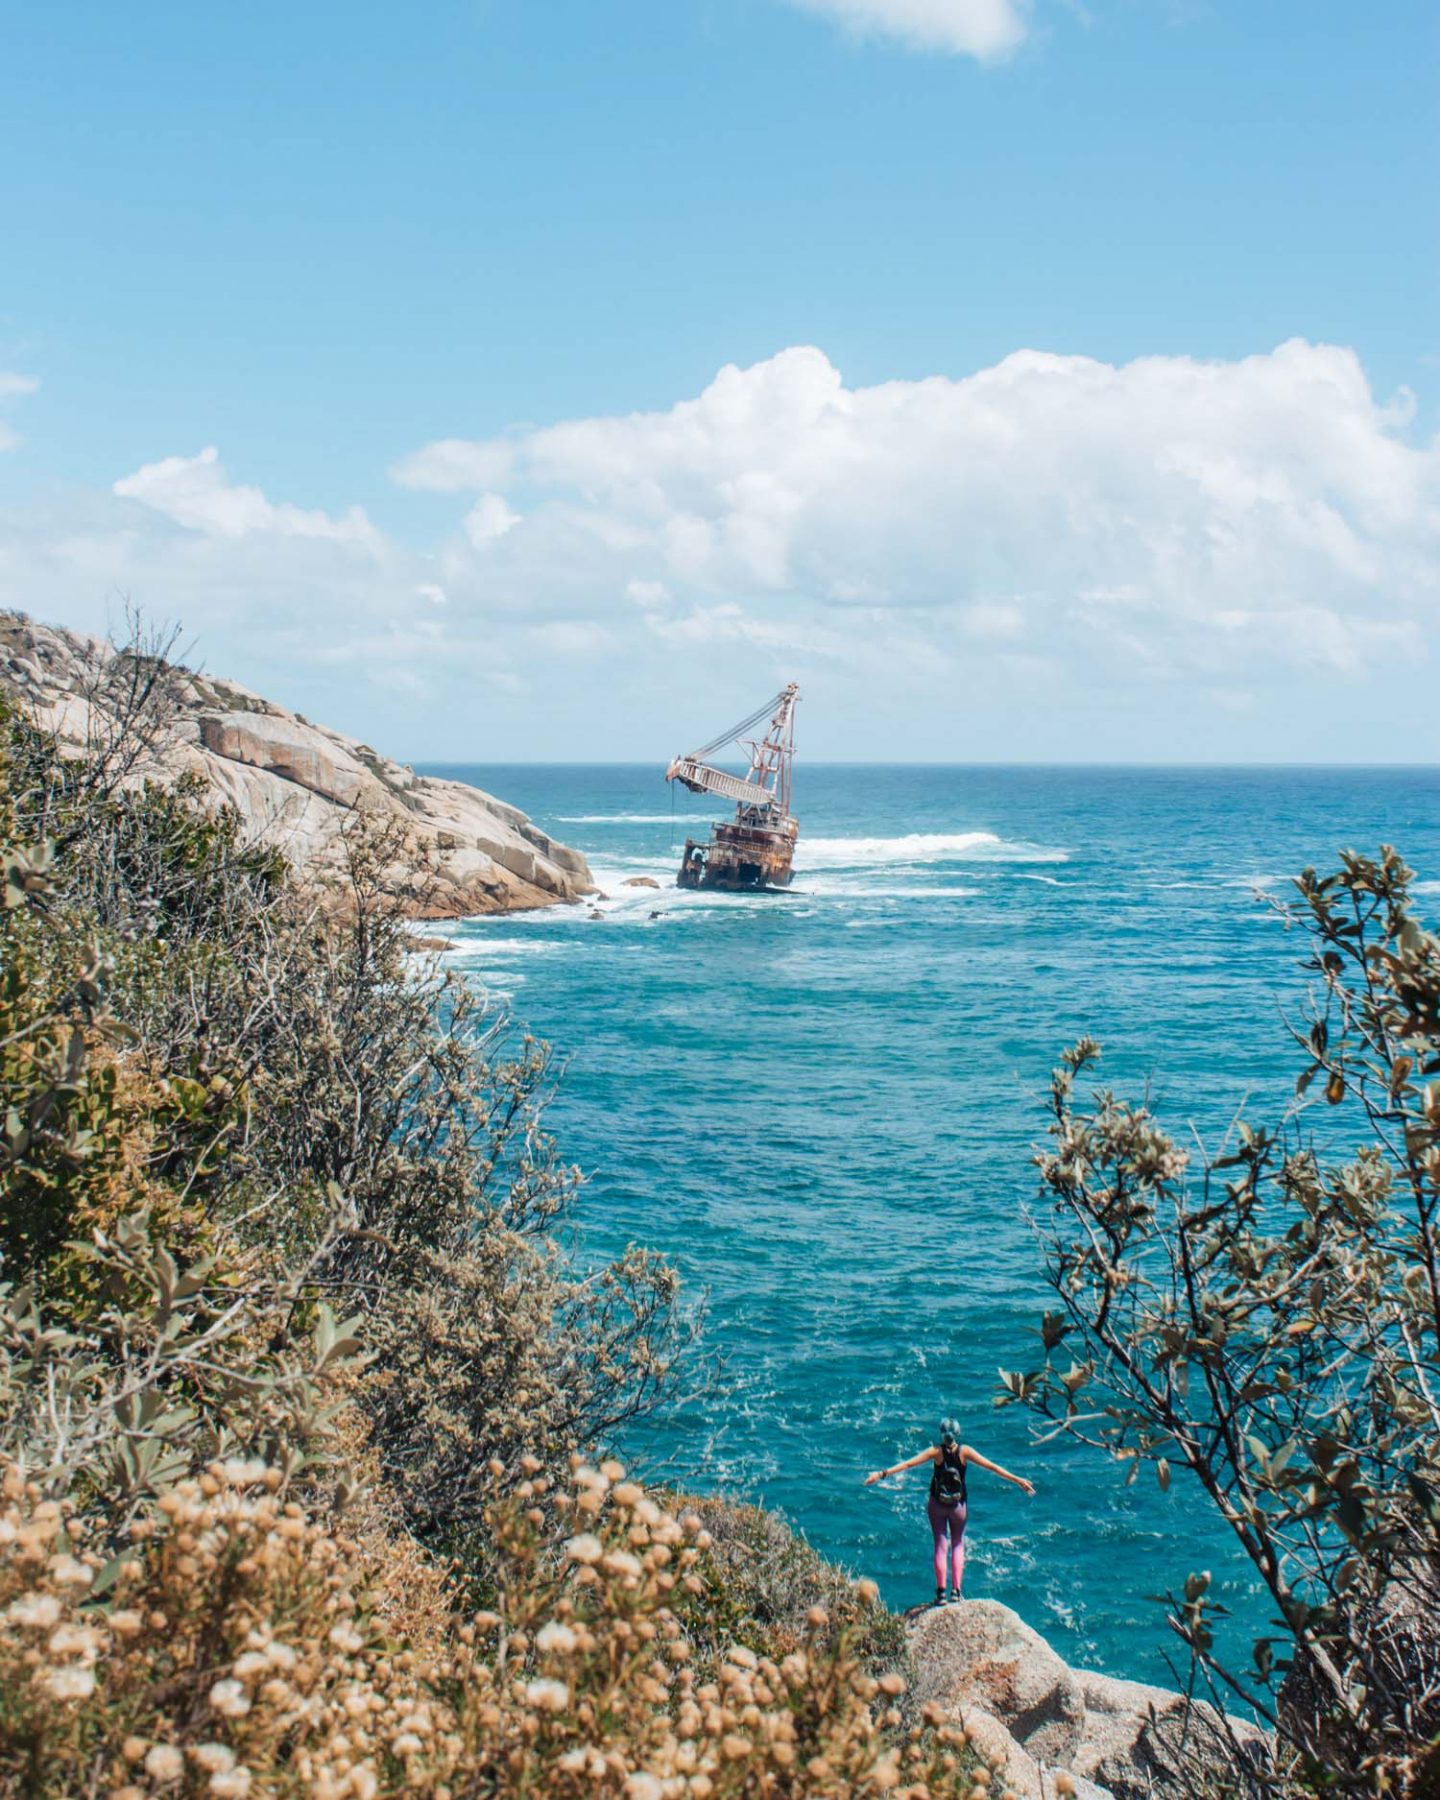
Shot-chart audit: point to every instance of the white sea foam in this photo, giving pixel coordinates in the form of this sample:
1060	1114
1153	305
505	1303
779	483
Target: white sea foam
821	884
611	882
629	903
918	847
861	887
1425	887
481	944
691	818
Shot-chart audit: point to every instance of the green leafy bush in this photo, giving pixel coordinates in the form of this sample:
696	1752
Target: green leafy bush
278	1106
1269	1323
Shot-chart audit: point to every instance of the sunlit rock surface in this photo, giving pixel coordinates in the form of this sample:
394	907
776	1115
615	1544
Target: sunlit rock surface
1026	1708
298	786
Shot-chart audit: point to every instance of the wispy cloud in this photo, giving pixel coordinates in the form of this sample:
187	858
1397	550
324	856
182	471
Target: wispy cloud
985	29
14	386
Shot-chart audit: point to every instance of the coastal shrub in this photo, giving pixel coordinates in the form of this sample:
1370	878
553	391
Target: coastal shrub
241	1645
764	1582
282	1107
1268	1323
292	1358
173	1362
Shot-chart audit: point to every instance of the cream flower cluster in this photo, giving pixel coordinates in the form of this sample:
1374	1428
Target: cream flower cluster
233	1653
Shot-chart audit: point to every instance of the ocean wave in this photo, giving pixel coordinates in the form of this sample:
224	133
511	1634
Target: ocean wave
825	887
622	902
611	882
632	818
480	943
918	847
1425	887
494	996
839	883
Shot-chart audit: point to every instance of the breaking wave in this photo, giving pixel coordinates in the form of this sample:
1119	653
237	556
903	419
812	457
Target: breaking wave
859	887
919	847
691	818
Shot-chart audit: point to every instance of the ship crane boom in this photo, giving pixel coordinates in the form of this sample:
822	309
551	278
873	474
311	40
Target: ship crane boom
757	849
700	778
768	781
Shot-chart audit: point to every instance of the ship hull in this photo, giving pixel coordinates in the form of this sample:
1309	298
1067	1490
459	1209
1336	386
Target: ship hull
740	859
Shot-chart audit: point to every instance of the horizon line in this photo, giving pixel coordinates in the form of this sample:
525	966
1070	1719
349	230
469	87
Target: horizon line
818	762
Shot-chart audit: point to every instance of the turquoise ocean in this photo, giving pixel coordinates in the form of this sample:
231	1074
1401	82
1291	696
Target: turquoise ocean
823	1107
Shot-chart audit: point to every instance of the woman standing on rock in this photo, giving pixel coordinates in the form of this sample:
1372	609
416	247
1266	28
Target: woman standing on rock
948	1506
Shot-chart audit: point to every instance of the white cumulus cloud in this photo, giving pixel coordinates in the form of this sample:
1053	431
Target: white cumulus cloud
1051	556
490	518
195	491
981	28
1172	507
453	465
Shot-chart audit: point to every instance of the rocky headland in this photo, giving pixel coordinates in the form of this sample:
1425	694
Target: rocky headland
1034	1718
454	850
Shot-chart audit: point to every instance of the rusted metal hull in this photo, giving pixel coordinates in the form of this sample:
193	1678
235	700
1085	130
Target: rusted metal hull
740	859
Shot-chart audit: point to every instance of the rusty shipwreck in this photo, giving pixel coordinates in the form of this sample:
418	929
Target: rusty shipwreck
757	850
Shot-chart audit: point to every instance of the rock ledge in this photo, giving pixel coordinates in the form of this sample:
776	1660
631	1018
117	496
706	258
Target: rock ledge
1028	1711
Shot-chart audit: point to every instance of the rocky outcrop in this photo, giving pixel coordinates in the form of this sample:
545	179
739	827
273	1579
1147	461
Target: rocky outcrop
1033	1716
454	849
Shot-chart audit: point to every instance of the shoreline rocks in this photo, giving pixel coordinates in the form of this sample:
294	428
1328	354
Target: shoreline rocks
455	850
1028	1711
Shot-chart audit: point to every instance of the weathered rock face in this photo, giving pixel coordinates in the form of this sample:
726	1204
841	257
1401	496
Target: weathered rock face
1027	1710
298	786
981	1654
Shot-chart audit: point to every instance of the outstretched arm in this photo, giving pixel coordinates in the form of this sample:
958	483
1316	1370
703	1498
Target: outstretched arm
911	1462
984	1462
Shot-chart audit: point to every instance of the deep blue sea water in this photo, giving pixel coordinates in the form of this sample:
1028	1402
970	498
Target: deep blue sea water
823	1107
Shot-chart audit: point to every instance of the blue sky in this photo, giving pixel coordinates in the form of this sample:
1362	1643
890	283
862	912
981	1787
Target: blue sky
1012	462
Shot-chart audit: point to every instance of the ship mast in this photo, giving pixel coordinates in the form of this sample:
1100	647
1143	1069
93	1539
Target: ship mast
766	788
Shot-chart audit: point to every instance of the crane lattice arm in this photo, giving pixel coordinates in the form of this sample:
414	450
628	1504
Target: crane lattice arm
768	781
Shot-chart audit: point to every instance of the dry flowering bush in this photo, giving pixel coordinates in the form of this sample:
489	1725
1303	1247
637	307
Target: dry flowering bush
229	1647
235	1649
763	1580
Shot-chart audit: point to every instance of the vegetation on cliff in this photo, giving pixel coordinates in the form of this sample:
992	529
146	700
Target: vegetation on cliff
296	1381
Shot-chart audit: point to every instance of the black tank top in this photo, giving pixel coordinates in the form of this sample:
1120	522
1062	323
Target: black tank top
947	1484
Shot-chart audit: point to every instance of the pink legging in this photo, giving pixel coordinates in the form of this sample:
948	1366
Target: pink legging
948	1522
